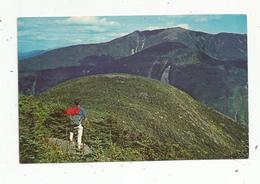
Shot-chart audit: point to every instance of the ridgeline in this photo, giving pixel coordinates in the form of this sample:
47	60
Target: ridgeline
129	118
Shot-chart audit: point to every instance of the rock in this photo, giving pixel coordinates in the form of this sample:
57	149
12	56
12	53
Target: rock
70	147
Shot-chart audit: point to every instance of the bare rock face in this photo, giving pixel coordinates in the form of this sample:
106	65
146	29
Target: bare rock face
70	147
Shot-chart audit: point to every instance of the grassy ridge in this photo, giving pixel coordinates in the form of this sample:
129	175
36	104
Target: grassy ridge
135	118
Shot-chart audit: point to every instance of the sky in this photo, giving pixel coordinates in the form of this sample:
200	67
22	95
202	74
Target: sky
45	33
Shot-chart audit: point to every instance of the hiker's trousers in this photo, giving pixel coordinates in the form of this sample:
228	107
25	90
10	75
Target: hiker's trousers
79	136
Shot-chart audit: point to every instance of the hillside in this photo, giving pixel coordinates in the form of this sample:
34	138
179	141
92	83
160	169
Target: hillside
216	83
136	118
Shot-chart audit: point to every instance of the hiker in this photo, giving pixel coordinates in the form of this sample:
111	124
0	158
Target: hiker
77	115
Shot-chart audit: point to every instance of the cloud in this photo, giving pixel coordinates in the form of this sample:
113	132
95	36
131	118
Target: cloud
205	18
153	28
184	26
92	20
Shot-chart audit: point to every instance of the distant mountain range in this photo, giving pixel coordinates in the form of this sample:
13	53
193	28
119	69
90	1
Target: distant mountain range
212	68
30	54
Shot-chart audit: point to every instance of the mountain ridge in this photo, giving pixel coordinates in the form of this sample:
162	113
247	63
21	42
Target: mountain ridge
211	68
129	43
169	116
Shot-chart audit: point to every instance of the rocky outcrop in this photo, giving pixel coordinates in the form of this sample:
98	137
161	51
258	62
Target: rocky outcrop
69	147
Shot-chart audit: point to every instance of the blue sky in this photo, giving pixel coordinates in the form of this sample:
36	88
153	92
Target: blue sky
43	33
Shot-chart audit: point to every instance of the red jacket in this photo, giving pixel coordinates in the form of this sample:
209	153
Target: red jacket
72	111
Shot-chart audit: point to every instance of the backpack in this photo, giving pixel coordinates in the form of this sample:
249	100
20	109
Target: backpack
75	116
75	120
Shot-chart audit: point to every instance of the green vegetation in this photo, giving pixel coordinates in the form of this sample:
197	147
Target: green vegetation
129	118
37	121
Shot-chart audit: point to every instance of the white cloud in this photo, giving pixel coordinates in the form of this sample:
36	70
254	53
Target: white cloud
184	26
153	28
205	18
92	20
